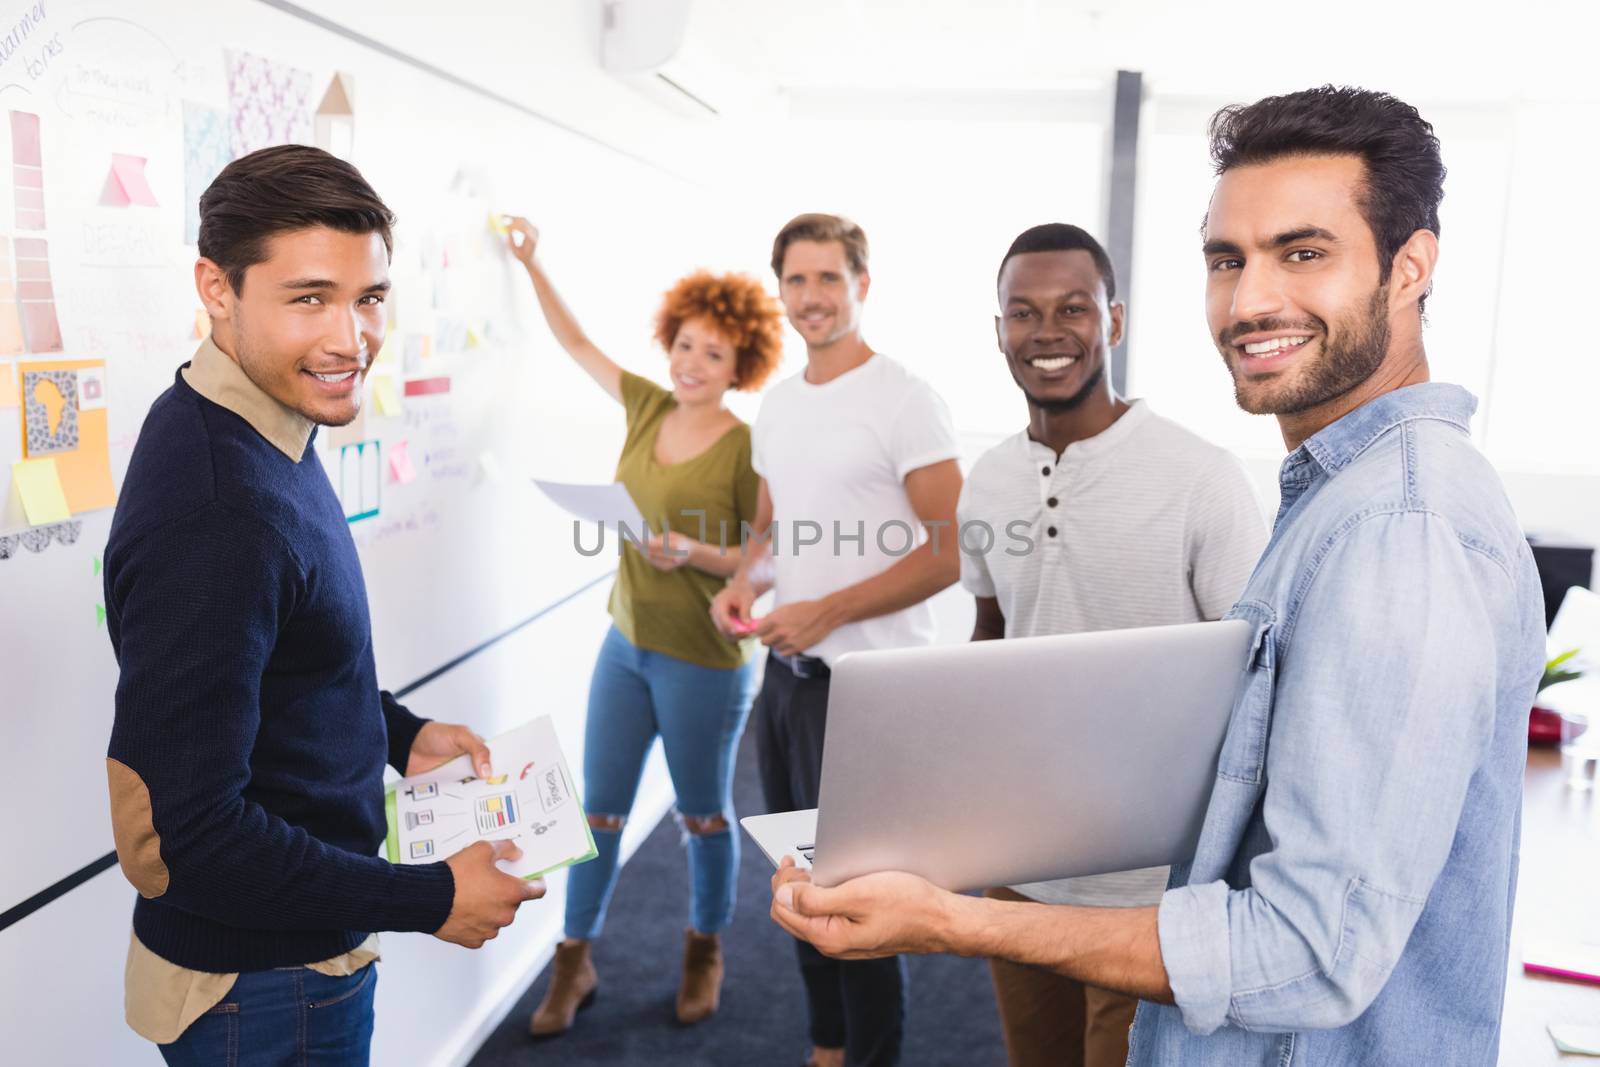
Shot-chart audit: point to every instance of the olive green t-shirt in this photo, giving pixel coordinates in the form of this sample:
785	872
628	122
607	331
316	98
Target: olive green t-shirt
670	611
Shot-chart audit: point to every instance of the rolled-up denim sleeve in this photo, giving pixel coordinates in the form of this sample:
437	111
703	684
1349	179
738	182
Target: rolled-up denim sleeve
1383	710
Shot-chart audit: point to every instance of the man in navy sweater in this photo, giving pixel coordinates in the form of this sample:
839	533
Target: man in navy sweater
246	759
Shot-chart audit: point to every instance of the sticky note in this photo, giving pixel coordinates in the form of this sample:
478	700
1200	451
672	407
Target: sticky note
401	469
497	225
390	352
39	485
9	396
427	386
488	468
127	185
386	395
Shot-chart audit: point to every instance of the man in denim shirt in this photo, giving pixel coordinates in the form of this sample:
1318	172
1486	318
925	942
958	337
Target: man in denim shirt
1350	899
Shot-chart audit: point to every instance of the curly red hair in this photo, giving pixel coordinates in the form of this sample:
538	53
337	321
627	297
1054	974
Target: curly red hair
738	307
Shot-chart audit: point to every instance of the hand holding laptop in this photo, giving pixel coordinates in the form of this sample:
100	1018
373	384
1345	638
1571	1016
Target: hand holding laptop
875	915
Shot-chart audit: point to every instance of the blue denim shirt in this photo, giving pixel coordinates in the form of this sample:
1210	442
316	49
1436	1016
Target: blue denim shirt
1350	899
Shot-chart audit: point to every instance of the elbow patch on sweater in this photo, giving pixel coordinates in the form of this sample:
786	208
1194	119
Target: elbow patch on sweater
133	827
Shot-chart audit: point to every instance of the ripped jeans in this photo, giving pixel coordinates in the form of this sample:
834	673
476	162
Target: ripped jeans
699	713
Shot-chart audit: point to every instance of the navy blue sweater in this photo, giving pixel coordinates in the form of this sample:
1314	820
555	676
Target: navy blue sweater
248	705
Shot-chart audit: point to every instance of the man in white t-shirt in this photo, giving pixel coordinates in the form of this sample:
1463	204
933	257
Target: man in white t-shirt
1100	515
859	482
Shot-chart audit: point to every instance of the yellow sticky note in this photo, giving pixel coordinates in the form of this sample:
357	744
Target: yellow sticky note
10	396
474	338
390	352
39	485
386	394
497	226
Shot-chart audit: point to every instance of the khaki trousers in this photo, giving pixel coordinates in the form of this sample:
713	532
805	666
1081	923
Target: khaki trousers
1052	1021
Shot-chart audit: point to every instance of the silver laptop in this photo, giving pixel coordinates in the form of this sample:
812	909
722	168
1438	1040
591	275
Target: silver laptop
1002	762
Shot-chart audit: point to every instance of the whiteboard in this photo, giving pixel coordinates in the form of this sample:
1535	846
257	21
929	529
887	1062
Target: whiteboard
456	555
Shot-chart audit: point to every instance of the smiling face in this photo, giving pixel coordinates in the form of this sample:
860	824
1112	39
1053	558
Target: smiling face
1293	292
1056	326
308	319
820	293
702	362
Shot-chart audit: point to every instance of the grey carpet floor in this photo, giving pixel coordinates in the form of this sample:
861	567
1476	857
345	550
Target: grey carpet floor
762	1020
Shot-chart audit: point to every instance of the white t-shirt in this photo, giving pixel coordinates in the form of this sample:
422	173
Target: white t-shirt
835	458
1145	524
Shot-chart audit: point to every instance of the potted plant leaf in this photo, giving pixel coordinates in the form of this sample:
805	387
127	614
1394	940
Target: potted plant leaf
1544	725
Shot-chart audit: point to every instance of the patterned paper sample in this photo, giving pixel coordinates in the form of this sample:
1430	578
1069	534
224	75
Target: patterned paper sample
205	153
268	103
50	411
38	539
76	435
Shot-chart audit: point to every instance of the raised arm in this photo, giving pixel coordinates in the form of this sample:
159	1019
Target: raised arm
523	240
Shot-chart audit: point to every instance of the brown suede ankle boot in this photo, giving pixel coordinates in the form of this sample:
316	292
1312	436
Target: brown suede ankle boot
701	990
572	988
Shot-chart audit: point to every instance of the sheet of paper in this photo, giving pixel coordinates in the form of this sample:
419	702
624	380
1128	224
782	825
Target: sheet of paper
401	469
268	103
78	439
529	798
1582	1039
205	153
39	485
361	480
608	504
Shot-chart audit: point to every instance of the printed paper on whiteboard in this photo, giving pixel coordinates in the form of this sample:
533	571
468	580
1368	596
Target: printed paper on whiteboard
609	504
529	798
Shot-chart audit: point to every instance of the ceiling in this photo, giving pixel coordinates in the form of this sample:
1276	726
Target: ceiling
1420	51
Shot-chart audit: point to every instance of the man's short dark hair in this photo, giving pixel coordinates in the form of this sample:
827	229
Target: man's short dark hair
1404	173
1062	237
276	190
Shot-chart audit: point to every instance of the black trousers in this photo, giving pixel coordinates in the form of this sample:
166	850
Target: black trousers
859	1005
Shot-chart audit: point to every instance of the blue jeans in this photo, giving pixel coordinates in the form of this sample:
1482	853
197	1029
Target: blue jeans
287	1016
699	714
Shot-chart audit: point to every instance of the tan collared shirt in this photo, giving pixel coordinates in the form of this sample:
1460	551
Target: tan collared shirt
161	999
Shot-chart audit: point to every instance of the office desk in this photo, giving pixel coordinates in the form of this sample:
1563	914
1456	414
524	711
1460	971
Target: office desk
1558	895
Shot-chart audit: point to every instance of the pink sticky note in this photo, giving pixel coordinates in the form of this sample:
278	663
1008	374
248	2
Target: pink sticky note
126	184
401	469
746	626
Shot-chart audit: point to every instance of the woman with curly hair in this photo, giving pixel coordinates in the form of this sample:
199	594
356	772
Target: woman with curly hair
664	668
